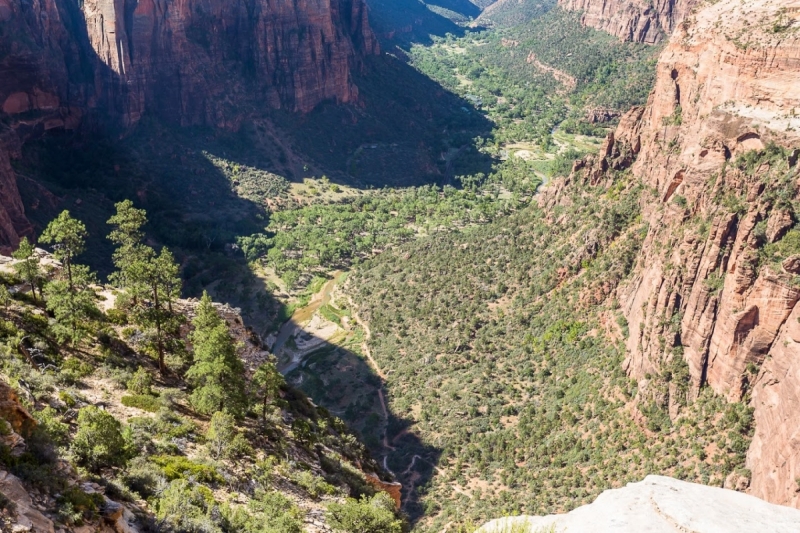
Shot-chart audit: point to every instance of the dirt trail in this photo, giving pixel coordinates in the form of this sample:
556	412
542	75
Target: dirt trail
374	365
365	345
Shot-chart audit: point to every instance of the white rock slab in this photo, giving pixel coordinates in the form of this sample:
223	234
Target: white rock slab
661	505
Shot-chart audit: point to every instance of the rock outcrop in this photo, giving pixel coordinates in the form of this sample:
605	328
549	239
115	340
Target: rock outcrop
197	62
641	21
661	505
717	147
26	515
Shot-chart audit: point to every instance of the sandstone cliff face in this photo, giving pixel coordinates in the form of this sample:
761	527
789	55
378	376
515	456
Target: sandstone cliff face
713	283
641	21
198	62
195	62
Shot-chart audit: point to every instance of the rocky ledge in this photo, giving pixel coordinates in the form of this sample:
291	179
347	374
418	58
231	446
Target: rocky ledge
661	505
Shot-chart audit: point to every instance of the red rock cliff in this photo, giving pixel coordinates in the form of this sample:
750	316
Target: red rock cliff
718	145
643	21
209	62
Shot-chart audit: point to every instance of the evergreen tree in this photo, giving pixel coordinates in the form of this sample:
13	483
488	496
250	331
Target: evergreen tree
151	280
28	267
217	373
69	297
154	284
266	383
127	235
72	304
68	237
99	442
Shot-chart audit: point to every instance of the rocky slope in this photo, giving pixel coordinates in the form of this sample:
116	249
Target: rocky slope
661	505
643	21
43	390
716	281
191	63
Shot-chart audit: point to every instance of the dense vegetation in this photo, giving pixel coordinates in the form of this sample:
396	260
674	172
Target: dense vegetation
499	342
323	236
533	77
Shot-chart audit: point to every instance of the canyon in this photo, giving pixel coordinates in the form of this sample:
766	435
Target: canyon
711	302
104	64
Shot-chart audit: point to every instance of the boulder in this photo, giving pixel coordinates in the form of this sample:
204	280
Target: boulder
661	505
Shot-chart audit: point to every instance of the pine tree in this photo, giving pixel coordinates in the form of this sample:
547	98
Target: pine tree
70	298
151	281
217	373
72	304
265	385
127	235
28	267
68	237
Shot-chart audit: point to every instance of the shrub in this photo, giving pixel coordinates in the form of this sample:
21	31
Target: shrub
144	477
184	506
76	505
117	317
50	422
98	443
74	369
145	402
180	467
223	439
140	382
367	515
314	485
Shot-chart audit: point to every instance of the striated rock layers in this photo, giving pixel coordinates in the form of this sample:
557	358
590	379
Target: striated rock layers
716	284
195	62
641	21
661	505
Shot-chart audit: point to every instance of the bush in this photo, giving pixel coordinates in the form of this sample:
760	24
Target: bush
179	467
223	439
76	505
117	317
144	477
74	369
99	443
185	506
50	422
367	515
145	402
314	485
140	382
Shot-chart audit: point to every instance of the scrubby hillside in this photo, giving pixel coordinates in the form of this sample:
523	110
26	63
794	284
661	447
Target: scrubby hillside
138	413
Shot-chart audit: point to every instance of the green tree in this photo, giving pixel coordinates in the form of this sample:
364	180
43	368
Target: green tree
265	385
151	280
68	237
367	515
98	443
5	297
221	433
28	266
72	304
217	373
127	235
